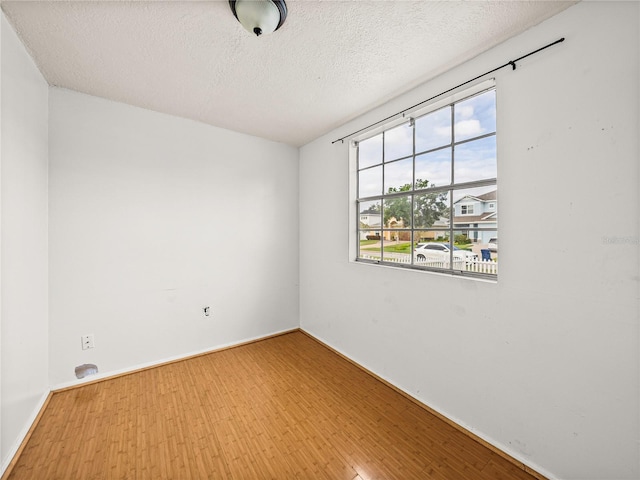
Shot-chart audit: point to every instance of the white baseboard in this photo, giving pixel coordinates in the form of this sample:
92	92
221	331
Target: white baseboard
34	415
156	363
531	467
25	430
103	376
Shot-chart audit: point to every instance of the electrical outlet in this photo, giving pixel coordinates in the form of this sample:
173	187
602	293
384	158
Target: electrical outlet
87	341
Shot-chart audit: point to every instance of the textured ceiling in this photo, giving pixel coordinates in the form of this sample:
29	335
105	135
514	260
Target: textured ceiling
330	61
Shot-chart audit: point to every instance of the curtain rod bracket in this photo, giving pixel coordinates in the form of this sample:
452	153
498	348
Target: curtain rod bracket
513	65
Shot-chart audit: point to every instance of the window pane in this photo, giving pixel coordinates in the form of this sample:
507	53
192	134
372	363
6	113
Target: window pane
370	247
370	215
418	211
398	176
475	160
433	169
370	182
487	254
474	247
475	116
487	241
431	210
465	239
475	208
396	246
465	252
370	151
397	212
433	130
398	142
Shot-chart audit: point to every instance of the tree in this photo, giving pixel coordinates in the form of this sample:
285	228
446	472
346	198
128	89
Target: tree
428	207
398	207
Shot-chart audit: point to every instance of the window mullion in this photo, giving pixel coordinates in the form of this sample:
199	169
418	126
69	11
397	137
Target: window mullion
469	141
382	200
413	187
452	207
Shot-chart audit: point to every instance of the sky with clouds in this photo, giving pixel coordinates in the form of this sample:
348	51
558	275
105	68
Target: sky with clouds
474	160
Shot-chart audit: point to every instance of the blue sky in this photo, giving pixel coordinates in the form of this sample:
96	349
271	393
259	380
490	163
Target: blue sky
474	160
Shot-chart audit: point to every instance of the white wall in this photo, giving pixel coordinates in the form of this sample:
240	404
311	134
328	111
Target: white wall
153	217
23	254
545	362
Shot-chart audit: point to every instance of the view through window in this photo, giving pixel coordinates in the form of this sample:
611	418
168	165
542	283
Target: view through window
427	191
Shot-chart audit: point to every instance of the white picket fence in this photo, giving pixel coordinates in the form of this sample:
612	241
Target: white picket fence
483	266
477	266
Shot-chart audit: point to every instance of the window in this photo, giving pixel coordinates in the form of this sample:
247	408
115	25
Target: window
427	190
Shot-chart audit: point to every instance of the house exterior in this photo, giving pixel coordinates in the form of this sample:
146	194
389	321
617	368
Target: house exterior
470	212
370	223
370	218
476	212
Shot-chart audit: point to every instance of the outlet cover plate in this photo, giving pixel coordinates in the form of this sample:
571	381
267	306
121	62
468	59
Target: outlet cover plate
87	341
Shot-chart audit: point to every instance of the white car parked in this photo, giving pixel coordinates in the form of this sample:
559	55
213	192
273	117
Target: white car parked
441	252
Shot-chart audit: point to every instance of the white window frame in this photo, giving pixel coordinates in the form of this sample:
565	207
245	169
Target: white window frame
353	156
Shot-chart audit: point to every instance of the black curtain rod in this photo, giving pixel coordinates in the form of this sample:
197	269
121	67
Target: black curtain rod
512	63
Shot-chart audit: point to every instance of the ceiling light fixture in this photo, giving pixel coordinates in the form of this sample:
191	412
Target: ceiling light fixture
259	16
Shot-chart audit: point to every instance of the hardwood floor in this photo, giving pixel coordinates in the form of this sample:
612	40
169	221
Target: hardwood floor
282	408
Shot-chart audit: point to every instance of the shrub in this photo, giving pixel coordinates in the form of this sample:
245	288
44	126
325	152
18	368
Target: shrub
462	238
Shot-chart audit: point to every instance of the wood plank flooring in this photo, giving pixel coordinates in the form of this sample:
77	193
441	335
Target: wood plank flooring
282	408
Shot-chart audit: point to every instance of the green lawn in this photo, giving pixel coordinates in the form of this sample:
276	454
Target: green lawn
404	247
397	248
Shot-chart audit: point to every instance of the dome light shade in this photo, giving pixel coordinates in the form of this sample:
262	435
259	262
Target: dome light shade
259	16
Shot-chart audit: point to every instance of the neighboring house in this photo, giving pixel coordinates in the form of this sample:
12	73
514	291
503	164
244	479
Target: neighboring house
370	218
391	236
370	222
476	212
469	212
442	222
